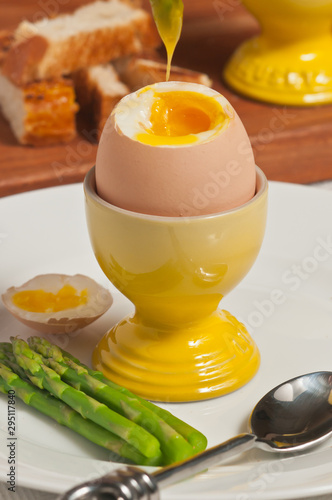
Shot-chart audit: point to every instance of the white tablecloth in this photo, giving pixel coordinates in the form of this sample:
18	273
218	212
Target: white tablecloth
28	494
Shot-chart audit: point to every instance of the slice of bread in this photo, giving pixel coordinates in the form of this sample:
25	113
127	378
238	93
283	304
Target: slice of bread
93	34
40	113
137	72
98	89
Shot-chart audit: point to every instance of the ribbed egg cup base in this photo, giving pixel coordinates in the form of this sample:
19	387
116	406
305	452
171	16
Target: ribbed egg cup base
193	362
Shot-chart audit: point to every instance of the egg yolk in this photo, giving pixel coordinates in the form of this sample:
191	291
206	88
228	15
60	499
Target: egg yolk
176	118
47	302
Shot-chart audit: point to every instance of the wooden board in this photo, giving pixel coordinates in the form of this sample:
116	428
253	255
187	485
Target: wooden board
290	144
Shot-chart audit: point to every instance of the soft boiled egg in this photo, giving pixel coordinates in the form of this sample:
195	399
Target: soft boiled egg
57	303
175	149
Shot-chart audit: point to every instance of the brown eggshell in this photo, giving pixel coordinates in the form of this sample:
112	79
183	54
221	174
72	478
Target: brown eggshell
66	321
205	178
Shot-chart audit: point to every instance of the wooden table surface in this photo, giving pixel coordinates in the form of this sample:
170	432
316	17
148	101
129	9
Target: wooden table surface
290	144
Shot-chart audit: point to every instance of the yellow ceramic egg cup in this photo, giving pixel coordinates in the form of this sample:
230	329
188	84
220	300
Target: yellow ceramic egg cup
290	62
177	346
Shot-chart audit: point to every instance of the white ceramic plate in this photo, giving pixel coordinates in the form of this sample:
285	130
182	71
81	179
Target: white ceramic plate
285	301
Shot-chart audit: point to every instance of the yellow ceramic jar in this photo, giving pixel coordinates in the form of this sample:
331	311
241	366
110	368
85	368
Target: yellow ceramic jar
177	346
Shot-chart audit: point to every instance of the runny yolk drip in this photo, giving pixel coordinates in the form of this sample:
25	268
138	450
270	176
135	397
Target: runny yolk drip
47	302
176	118
168	16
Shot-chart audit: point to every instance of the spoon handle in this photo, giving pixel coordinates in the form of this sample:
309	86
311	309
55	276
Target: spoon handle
204	460
132	483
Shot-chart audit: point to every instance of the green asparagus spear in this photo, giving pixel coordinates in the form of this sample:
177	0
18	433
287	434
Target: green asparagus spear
7	357
46	378
3	353
173	446
197	440
64	415
6	347
8	361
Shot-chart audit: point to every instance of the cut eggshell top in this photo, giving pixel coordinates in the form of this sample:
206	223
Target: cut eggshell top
175	149
96	301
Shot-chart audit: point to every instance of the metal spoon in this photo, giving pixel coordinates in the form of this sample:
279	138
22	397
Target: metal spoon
294	416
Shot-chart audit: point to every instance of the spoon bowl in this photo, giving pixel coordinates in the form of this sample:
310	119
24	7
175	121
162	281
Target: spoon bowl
292	417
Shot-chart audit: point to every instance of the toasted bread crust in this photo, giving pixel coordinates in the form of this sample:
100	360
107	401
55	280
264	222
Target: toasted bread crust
34	57
22	58
40	113
137	72
50	112
95	103
6	40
